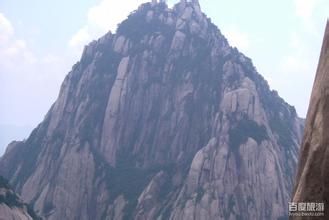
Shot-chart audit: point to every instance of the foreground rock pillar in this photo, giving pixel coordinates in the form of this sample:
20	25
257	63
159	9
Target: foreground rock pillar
312	181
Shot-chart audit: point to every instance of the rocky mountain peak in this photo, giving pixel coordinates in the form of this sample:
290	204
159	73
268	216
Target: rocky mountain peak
160	120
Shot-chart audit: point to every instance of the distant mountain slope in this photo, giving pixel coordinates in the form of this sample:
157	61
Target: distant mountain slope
162	120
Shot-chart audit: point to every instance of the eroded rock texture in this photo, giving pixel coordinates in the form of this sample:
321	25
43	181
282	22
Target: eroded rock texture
162	120
312	182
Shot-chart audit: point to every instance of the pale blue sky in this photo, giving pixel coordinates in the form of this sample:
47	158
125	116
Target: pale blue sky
40	41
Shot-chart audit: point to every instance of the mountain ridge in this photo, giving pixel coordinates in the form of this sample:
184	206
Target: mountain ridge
154	122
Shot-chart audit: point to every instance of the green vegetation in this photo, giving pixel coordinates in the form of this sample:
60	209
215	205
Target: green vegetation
135	27
48	207
10	199
283	132
107	63
231	204
166	213
250	201
3	183
129	182
246	128
31	212
167	186
230	208
200	193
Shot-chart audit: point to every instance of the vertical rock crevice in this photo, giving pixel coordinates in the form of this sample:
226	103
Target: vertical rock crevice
162	120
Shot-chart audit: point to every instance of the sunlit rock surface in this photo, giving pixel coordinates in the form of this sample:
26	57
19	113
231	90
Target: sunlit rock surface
312	182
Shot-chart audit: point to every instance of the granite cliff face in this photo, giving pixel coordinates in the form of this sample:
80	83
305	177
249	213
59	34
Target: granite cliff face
312	176
11	206
162	120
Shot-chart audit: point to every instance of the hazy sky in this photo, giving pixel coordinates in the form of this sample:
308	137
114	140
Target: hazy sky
40	41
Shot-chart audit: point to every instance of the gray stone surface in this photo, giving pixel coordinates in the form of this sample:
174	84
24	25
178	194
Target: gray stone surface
162	120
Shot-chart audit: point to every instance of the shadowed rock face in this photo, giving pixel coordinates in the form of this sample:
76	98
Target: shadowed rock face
312	182
11	206
162	120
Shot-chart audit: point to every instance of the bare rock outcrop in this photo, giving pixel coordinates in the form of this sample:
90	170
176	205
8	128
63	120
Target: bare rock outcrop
161	120
312	176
